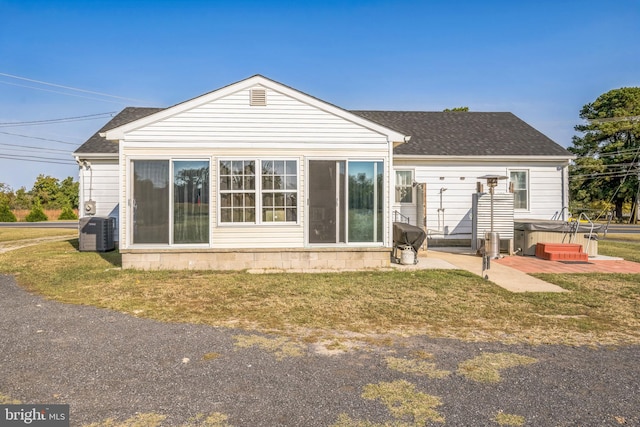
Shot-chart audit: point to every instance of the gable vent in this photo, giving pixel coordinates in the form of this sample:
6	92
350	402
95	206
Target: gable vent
258	98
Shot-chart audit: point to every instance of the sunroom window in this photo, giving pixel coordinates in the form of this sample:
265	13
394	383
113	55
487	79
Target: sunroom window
170	201
279	191
237	191
269	187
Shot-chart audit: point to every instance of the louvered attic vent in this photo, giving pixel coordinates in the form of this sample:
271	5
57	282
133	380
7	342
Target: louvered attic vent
258	98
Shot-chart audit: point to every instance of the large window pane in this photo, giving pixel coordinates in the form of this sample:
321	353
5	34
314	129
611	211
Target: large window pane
151	201
190	202
365	201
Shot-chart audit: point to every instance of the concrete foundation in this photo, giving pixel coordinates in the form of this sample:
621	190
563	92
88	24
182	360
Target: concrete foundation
305	260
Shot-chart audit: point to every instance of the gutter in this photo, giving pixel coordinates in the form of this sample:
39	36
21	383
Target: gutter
484	157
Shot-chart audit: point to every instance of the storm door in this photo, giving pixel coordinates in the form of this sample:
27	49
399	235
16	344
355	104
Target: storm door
327	218
346	200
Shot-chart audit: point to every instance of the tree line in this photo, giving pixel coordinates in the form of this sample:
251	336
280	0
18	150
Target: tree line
47	193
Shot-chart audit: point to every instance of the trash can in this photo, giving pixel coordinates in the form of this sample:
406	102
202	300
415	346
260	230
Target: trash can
407	255
492	244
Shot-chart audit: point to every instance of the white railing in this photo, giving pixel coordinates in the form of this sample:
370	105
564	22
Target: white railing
398	217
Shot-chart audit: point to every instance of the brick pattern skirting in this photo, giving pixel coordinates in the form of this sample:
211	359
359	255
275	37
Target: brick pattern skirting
303	260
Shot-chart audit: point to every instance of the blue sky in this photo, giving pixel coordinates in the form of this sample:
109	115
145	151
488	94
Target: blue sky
542	60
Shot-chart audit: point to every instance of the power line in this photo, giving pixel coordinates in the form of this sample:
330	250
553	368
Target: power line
34	159
65	93
37	137
615	174
614	119
68	87
62	120
617	153
31	147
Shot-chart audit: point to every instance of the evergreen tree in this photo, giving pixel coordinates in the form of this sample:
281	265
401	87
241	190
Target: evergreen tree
608	153
67	214
36	214
5	213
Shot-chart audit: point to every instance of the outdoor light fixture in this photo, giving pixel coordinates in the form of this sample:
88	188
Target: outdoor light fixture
491	239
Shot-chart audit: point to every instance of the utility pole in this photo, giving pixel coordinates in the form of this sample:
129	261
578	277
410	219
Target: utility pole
638	194
624	119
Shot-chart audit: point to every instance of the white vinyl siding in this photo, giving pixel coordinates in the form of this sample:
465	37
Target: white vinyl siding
284	121
459	180
100	184
229	128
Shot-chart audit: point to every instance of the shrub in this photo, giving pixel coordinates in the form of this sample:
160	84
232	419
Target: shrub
5	213
67	213
36	214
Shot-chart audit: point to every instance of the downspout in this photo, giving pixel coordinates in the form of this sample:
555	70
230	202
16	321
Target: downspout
565	192
81	184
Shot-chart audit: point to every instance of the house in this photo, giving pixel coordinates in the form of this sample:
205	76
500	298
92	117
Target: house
260	175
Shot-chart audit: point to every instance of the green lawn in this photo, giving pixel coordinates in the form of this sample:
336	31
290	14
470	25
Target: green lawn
601	309
625	246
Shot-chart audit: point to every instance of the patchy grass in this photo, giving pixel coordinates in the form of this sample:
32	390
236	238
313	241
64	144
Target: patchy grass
215	419
8	400
509	419
486	367
417	367
345	421
211	356
601	309
281	347
404	402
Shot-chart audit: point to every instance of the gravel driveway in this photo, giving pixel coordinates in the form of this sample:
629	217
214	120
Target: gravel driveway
111	365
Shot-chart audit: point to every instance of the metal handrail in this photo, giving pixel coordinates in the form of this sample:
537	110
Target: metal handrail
558	214
583	215
403	218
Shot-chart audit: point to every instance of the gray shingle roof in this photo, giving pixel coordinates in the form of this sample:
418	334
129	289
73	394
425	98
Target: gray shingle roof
465	134
432	133
99	145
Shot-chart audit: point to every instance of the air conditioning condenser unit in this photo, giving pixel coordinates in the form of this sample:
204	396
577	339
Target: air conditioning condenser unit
96	234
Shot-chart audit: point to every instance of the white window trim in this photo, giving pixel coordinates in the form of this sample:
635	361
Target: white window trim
528	188
129	202
385	213
413	190
258	193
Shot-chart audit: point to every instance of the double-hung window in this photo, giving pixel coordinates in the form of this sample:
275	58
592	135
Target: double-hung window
520	183
256	191
404	186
